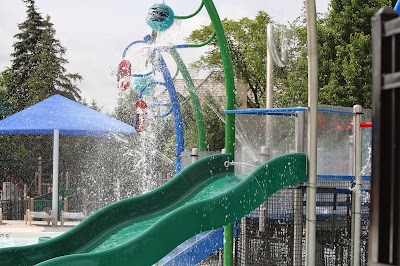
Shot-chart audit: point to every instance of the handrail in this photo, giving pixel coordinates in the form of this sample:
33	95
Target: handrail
261	111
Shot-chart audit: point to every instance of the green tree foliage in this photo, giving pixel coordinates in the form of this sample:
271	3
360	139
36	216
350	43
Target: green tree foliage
344	57
5	109
49	75
37	69
344	36
22	63
247	43
291	84
346	53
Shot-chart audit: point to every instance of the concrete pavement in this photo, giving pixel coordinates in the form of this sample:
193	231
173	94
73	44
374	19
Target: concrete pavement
9	226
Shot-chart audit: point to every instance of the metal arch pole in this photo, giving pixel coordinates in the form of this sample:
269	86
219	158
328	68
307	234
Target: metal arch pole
268	149
312	44
56	155
270	79
272	57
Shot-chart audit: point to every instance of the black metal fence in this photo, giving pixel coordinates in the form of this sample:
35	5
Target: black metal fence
13	210
19	181
281	241
12	201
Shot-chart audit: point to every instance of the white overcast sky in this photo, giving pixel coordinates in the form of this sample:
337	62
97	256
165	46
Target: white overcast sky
95	32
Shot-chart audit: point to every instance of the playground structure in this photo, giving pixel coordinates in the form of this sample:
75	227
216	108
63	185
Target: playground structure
17	197
245	172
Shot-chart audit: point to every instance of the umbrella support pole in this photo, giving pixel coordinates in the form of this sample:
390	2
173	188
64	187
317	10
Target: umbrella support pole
56	153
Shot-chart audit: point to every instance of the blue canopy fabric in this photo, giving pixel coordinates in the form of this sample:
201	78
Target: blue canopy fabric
69	117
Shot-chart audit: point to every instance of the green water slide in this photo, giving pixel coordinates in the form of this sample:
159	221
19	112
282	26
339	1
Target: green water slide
143	229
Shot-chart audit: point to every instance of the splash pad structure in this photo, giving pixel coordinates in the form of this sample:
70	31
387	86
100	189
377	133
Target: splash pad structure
275	235
143	229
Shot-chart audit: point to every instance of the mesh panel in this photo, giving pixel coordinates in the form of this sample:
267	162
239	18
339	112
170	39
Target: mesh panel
280	240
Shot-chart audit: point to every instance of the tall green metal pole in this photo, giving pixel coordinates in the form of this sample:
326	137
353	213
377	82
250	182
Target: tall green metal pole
230	105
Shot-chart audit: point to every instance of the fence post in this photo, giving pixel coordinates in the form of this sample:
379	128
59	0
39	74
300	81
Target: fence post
25	191
356	193
118	189
39	184
67	180
85	202
264	152
32	204
195	154
65	204
298	195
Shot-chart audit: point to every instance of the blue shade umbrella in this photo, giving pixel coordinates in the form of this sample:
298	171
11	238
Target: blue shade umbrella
69	117
59	115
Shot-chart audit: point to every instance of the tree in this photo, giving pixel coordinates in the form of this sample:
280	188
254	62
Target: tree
344	57
247	44
345	52
291	82
5	110
17	89
37	69
49	75
344	37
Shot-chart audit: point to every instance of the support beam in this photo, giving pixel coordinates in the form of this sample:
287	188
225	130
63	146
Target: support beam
56	153
312	44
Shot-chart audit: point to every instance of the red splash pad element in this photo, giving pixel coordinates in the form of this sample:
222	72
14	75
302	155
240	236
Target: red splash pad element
124	72
365	124
124	85
141	116
141	104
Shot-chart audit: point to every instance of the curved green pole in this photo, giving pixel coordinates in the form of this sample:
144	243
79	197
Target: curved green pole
197	45
191	15
230	105
201	135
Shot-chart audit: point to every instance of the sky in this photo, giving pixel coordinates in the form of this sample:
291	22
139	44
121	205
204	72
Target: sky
96	32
